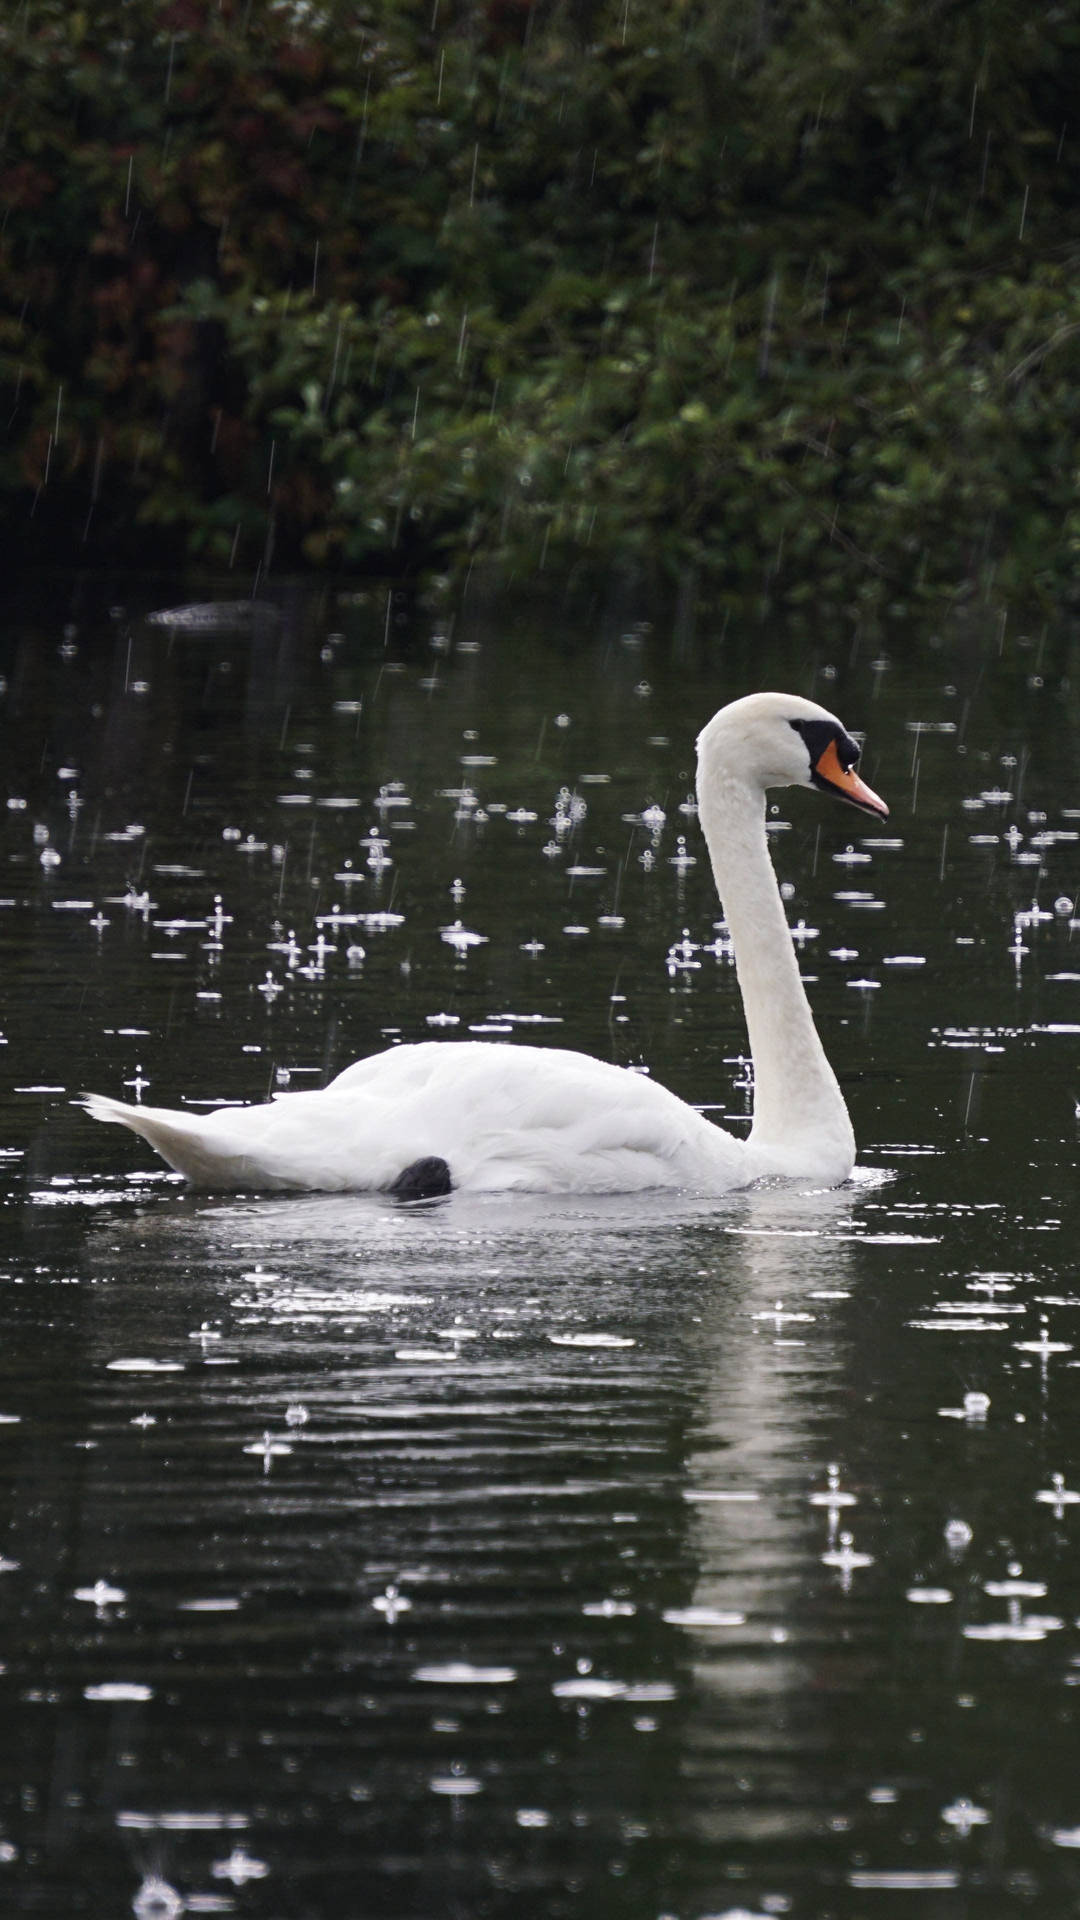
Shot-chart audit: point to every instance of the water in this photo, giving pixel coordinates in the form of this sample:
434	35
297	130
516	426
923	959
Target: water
620	1557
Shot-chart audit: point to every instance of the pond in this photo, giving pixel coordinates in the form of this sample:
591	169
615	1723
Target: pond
634	1556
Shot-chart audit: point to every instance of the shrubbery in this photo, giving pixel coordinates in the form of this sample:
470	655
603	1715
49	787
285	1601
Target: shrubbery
788	298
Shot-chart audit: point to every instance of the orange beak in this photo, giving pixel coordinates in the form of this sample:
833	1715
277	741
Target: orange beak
848	785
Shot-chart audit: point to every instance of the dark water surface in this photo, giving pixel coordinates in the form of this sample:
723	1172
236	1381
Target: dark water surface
623	1558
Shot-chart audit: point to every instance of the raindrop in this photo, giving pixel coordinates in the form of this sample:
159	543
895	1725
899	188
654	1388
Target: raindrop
1014	1586
460	938
963	1815
138	1082
240	1867
780	1316
834	1496
1058	1495
680	958
846	1559
101	1595
1043	1346
390	1603
156	1900
268	1449
680	858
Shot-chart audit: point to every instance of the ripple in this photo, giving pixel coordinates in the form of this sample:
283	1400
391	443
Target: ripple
459	1673
118	1690
591	1340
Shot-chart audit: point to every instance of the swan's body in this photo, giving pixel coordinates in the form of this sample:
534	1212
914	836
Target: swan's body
488	1117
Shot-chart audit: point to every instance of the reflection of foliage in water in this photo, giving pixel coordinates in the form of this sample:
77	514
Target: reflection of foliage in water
395	287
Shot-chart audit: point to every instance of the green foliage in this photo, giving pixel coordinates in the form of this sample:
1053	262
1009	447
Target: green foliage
792	304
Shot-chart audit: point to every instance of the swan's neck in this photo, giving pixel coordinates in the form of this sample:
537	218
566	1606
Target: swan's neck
799	1110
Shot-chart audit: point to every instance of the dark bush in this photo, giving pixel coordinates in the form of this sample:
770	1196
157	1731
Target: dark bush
785	297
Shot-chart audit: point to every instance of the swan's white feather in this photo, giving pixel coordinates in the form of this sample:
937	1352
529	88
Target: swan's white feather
539	1119
542	1119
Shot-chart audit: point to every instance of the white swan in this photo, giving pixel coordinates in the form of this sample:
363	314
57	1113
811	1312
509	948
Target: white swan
418	1120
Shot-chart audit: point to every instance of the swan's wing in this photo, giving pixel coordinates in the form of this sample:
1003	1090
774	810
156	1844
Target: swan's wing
544	1119
621	1138
397	1070
440	1066
501	1116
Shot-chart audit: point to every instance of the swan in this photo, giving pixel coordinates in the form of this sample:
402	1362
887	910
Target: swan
419	1120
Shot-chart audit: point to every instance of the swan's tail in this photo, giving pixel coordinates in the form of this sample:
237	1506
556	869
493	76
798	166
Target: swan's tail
178	1137
100	1107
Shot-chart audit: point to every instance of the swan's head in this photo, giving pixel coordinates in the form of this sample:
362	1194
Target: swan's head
780	740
